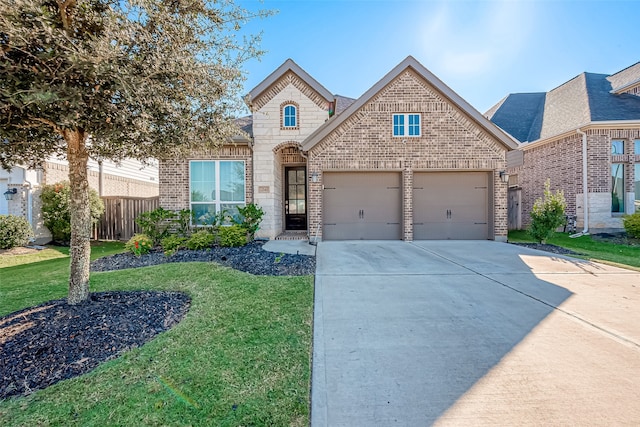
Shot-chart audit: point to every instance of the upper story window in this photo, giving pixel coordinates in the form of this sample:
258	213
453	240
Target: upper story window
289	115
406	124
636	146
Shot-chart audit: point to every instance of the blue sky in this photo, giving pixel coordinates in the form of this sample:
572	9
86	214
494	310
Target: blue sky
483	50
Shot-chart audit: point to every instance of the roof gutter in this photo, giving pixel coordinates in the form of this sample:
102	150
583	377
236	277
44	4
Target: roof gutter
604	124
585	188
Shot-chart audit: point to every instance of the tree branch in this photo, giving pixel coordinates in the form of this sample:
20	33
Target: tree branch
64	16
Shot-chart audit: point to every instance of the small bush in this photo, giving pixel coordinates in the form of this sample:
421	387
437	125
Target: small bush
156	224
139	244
201	239
182	221
250	218
232	236
172	243
632	224
14	231
56	213
547	214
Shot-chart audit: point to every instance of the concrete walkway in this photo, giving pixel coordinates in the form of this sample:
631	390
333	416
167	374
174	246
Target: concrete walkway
472	333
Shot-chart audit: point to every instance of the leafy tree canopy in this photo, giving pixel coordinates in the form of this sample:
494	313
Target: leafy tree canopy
111	79
143	78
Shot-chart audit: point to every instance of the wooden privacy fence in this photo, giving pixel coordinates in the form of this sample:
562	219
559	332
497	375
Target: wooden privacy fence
515	209
118	220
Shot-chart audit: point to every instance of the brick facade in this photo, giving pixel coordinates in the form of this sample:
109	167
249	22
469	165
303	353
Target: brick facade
174	174
560	160
449	141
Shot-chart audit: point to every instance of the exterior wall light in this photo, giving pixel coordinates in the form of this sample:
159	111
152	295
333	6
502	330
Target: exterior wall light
315	176
10	193
504	176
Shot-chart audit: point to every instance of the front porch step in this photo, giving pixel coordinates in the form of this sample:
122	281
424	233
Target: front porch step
293	235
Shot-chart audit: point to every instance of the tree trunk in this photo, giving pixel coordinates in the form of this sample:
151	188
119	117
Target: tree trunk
80	249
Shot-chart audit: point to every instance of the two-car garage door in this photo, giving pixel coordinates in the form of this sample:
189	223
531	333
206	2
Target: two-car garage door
368	205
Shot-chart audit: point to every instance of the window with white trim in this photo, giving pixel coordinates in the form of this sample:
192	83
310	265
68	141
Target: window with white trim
215	186
289	116
407	124
617	177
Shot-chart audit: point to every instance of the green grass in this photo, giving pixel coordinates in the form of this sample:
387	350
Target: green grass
241	356
30	279
623	255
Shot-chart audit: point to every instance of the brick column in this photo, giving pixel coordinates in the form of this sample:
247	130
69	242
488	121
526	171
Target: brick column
407	205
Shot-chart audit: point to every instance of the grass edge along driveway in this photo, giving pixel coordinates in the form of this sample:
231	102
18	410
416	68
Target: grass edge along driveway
241	356
625	256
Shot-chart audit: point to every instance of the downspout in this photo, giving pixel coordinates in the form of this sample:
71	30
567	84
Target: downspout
585	188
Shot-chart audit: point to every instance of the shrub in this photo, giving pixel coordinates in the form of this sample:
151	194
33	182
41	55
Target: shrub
632	224
182	221
232	236
14	231
250	218
201	239
172	243
139	244
547	214
156	223
56	199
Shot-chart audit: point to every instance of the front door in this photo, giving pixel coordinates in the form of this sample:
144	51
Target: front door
295	203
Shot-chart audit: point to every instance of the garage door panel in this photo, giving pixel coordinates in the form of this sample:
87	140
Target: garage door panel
450	205
362	205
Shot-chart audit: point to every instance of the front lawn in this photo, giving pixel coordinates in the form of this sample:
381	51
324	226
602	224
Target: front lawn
590	248
241	356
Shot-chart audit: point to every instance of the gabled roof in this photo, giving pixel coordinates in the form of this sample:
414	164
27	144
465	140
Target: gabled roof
587	98
443	89
287	66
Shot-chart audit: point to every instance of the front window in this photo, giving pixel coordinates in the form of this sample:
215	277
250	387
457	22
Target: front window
406	125
217	186
289	116
617	187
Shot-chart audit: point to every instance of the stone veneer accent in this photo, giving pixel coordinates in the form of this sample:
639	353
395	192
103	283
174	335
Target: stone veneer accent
560	160
449	140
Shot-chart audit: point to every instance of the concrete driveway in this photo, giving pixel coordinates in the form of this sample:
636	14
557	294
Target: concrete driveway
472	333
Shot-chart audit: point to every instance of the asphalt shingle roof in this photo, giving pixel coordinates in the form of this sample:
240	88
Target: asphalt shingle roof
585	98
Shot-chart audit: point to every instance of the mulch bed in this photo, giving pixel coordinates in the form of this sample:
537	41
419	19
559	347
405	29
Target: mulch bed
548	248
250	258
42	345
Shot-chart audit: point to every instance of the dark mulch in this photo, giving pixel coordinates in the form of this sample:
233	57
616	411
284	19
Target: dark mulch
42	345
548	248
250	258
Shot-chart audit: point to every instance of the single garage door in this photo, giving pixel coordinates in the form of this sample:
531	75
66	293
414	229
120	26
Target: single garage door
450	205
362	205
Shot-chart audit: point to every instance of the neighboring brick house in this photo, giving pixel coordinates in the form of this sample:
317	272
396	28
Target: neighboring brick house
127	179
409	159
596	113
